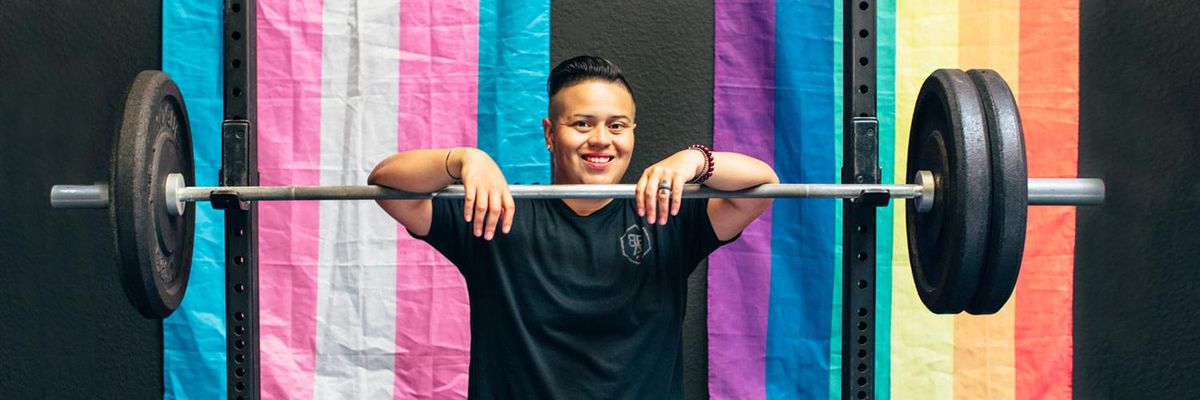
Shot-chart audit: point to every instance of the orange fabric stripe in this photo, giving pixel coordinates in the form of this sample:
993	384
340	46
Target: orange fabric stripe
989	37
1049	100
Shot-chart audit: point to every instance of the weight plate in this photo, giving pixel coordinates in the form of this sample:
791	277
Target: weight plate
948	244
1010	193
154	246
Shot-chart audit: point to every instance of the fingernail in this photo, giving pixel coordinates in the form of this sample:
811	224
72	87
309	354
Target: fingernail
489	236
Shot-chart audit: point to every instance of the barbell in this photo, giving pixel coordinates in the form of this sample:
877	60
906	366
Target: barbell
966	223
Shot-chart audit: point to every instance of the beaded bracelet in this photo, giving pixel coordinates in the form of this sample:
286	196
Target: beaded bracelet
708	163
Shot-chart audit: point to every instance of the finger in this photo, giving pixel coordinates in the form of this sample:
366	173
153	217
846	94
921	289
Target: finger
664	203
677	193
468	202
510	207
641	191
651	196
495	207
481	207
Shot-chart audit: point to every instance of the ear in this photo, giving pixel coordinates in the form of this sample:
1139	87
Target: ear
548	132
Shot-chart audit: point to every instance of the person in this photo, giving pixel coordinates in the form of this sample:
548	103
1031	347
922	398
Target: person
576	298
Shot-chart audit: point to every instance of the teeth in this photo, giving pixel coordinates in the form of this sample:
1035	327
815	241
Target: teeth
598	160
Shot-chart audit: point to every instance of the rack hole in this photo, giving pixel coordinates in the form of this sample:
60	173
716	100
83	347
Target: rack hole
862	340
862	326
239	330
862	311
239	386
862	284
237	92
236	63
239	343
239	260
239	288
239	315
237	7
863	6
863	33
863	61
236	35
862	353
864	89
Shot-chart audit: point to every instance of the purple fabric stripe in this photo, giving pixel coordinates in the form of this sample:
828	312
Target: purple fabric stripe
739	275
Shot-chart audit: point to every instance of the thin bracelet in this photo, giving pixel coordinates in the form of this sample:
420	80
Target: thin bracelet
447	163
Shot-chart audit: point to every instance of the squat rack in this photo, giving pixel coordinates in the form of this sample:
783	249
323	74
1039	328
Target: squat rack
238	159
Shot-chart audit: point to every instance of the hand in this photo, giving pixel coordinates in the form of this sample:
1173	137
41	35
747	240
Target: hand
487	196
677	169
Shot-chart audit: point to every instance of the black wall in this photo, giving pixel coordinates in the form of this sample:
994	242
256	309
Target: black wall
1137	271
666	51
66	328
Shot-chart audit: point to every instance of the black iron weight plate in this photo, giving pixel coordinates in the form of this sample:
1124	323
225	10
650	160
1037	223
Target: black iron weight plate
1010	193
154	247
948	244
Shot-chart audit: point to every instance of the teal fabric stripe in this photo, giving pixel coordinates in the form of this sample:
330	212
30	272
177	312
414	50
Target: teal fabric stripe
886	102
803	232
194	336
835	343
514	62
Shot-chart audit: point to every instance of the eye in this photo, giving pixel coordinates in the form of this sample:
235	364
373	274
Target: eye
617	127
581	124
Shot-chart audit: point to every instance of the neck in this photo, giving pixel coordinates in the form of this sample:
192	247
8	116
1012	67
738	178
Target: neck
585	207
582	207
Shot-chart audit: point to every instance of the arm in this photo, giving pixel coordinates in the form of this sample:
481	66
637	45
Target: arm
731	171
424	171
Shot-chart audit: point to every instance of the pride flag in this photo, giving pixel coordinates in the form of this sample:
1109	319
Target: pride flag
352	307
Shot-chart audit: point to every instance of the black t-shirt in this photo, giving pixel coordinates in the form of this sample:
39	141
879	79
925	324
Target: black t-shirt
566	306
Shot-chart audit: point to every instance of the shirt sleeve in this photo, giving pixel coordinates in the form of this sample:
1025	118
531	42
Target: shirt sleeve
701	239
448	233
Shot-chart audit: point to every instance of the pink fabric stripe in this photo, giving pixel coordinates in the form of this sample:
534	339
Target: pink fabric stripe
739	274
439	64
289	113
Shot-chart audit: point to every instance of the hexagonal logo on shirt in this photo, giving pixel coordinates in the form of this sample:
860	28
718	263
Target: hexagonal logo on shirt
635	244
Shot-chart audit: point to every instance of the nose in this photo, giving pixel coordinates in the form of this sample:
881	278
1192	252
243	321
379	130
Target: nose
600	137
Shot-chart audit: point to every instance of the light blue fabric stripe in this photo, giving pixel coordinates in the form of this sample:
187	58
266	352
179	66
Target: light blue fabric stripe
194	336
886	102
514	62
803	231
835	342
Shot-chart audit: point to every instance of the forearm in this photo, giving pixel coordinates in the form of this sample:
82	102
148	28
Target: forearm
421	171
733	171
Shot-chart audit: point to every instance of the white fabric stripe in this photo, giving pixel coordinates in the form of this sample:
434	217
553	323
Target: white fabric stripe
356	292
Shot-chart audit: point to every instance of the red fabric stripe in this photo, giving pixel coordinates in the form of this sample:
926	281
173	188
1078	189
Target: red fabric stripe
1049	101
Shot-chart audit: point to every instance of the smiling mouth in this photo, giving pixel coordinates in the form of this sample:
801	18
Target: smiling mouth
597	162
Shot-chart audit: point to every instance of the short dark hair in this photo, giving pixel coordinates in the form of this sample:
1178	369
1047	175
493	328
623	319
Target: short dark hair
584	68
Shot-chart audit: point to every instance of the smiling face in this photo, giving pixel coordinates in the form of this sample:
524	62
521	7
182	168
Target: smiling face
590	132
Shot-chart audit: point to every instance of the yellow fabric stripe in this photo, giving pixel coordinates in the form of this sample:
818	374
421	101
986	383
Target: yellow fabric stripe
922	343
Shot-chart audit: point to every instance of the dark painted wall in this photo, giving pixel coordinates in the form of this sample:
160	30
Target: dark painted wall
66	329
1137	270
666	51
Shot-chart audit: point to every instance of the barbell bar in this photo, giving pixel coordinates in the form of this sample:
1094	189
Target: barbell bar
1077	192
966	177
